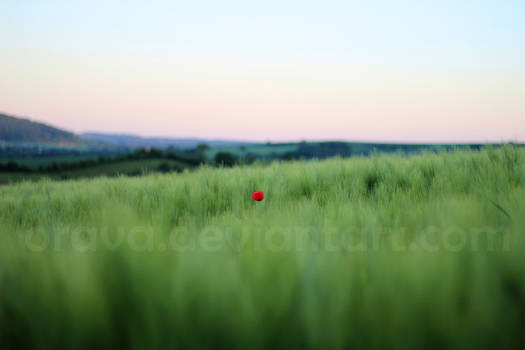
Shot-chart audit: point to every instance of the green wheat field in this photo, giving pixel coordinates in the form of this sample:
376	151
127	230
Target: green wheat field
425	251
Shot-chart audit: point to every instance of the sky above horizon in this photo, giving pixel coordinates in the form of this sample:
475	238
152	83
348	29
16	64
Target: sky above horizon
407	71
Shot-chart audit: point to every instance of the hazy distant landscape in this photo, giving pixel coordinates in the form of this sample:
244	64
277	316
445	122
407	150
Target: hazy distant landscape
30	151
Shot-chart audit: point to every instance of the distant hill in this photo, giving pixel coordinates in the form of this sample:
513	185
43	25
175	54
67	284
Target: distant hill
132	141
15	130
21	136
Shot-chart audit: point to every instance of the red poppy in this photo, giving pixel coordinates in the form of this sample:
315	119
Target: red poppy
258	196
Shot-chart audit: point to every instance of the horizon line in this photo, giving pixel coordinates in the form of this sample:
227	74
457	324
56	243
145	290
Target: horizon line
296	140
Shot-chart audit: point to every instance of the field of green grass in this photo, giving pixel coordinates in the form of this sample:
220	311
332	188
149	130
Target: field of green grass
12	177
382	252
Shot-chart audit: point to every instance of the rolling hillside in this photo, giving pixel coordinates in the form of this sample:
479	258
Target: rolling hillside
23	131
15	131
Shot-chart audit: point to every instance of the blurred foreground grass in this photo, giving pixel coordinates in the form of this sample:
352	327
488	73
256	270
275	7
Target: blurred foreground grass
381	252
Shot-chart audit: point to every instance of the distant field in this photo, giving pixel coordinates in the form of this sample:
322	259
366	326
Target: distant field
257	149
124	168
321	150
35	162
380	252
127	167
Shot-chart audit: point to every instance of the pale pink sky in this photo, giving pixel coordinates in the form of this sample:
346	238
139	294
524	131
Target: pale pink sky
440	79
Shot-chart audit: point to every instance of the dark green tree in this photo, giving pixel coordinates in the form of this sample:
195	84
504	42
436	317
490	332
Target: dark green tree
202	147
226	159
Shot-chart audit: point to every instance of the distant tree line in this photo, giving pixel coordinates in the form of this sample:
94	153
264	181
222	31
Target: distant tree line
191	158
14	167
322	150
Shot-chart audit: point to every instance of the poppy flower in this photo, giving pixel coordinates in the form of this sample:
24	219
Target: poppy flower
258	196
